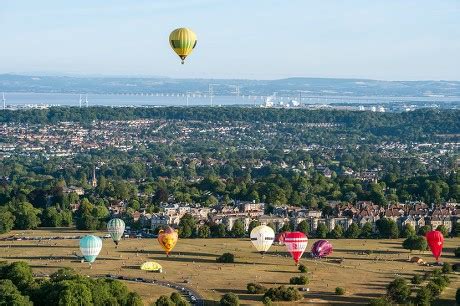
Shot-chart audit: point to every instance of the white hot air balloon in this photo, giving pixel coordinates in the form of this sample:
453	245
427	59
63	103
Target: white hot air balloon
116	228
262	238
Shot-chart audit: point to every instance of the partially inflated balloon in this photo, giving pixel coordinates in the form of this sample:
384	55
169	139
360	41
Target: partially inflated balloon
321	248
168	239
182	41
435	242
116	228
151	266
262	238
296	243
90	246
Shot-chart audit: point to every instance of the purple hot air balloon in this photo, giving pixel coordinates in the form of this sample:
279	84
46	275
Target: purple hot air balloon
321	248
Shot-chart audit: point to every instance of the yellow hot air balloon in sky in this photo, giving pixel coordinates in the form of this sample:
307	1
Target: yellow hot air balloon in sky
183	41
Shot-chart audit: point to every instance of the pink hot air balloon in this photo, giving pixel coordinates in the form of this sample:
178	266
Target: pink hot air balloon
435	241
321	248
296	243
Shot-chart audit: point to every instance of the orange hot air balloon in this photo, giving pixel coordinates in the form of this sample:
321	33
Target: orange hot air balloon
168	239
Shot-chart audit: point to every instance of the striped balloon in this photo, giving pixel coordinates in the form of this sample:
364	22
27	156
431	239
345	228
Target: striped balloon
90	246
116	228
321	248
182	41
296	243
262	237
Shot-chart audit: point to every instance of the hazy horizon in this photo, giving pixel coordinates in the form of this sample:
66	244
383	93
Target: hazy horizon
258	40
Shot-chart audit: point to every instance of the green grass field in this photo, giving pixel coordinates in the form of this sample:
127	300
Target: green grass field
193	260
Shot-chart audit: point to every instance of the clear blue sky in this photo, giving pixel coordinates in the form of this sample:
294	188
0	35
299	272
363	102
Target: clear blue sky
380	39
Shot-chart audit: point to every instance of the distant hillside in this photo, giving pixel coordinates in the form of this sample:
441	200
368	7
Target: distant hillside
309	86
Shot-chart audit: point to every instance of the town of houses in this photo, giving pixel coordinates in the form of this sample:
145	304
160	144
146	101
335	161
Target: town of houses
417	214
67	139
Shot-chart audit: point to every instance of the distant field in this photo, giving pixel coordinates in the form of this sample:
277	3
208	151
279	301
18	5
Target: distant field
193	260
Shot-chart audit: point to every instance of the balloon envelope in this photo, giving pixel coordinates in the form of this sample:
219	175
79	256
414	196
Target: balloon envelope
168	239
151	266
296	243
321	248
435	241
279	238
182	41
116	228
262	237
90	246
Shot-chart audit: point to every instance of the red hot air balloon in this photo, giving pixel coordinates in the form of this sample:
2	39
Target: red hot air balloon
296	243
435	241
321	248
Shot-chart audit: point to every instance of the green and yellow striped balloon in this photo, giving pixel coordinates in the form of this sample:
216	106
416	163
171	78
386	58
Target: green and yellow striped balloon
116	228
182	41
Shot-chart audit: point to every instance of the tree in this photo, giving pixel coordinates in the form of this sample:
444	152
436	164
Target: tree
10	295
455	229
398	290
230	299
26	216
203	231
303	268
299	280
6	220
218	230
254	288
339	291
73	293
353	231
387	228
252	225
381	301
443	230
51	217
226	258
457	296
164	301
187	226
321	230
446	268
408	231
337	232
178	300
416	280
134	299
415	243
303	227
238	229
84	216
423	297
423	230
19	273
366	231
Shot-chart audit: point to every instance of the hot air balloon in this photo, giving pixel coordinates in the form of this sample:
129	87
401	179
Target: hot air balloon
262	237
182	41
435	241
116	228
90	246
152	266
168	239
321	248
296	243
279	238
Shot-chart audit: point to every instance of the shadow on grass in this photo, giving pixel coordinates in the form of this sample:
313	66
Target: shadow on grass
336	299
373	251
13	246
175	253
